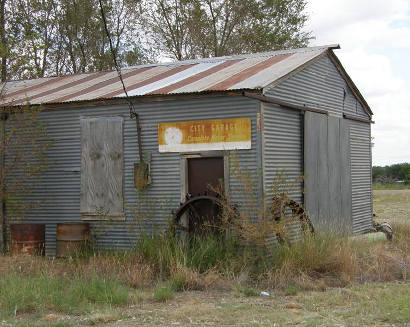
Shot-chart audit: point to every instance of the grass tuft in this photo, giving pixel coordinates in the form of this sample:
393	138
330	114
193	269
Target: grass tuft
38	293
177	283
292	290
163	293
246	291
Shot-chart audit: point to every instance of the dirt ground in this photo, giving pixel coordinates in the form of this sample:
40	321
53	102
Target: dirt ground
385	304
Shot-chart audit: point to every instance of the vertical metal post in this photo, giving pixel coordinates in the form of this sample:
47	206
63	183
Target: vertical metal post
137	121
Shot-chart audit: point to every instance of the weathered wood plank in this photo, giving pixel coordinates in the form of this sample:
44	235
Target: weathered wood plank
102	167
113	155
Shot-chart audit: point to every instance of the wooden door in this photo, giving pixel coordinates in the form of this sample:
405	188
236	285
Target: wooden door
204	174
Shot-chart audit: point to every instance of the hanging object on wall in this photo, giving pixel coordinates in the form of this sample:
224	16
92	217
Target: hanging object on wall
205	135
142	175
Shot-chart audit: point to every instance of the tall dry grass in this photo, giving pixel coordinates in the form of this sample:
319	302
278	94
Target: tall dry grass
244	255
315	262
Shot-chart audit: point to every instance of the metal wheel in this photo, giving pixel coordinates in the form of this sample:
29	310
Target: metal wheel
199	215
289	211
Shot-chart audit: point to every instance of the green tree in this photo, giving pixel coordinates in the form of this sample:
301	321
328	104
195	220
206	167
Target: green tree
392	173
41	38
185	29
23	157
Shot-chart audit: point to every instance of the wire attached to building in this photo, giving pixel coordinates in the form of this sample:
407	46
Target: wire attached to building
133	113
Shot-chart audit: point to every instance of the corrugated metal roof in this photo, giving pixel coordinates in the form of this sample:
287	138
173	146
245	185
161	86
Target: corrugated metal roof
253	71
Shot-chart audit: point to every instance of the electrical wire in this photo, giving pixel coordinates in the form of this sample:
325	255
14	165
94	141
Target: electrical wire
133	113
114	57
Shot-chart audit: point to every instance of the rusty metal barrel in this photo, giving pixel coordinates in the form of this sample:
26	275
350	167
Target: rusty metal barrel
27	239
71	237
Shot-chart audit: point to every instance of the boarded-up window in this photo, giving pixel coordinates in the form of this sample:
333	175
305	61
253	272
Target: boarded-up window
102	165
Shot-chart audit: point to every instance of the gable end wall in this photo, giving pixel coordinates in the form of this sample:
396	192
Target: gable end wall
319	85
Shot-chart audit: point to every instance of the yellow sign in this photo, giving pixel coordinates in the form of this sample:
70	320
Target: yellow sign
205	135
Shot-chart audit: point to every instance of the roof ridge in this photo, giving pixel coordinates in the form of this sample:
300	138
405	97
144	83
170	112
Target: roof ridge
195	61
240	56
240	72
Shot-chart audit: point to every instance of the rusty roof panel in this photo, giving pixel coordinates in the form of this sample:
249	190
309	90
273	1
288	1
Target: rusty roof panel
273	73
207	82
253	71
114	84
225	85
193	78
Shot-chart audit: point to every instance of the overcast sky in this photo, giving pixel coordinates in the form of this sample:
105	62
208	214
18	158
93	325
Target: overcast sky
374	36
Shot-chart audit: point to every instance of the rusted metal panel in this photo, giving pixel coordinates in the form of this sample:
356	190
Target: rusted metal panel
205	135
98	83
71	237
179	73
223	75
253	71
56	91
46	89
245	74
194	78
275	73
27	239
131	89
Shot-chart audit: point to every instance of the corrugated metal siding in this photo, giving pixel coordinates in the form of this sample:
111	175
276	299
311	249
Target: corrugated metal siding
282	147
59	187
283	154
361	170
327	172
319	85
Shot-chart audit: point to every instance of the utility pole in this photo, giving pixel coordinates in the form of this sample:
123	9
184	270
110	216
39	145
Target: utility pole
3	183
3	117
3	41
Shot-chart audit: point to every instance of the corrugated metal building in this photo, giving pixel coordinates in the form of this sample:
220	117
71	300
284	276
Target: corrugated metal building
306	118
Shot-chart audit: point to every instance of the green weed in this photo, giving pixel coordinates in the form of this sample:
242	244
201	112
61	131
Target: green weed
292	290
246	291
200	253
37	293
177	283
163	293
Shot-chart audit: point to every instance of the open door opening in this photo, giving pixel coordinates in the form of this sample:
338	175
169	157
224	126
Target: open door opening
200	212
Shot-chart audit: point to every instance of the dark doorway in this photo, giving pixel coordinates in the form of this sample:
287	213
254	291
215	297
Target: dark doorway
204	173
200	213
